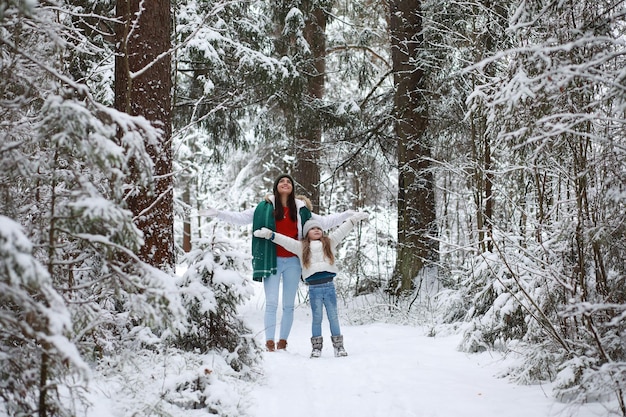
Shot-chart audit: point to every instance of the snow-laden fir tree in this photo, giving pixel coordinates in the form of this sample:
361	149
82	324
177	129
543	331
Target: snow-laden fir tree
553	283
37	358
64	159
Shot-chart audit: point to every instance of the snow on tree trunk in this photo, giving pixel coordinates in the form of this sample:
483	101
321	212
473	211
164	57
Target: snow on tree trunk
309	139
143	88
416	199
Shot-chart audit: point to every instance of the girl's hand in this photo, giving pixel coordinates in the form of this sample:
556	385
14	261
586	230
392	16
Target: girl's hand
359	216
263	233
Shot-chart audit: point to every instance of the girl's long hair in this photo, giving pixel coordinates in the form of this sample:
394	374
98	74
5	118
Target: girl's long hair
306	251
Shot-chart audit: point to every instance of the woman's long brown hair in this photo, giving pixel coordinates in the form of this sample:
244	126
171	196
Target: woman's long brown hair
279	213
306	251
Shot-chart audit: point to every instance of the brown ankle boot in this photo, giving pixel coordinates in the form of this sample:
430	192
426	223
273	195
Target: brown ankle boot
282	344
269	345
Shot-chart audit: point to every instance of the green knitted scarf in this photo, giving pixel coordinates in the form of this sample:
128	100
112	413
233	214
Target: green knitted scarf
264	250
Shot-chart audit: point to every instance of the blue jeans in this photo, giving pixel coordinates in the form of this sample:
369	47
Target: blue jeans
290	270
320	296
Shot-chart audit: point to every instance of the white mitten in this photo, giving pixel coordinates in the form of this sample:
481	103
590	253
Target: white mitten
263	233
359	216
208	212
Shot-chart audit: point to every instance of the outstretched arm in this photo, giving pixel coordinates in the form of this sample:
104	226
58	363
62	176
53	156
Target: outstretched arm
342	231
331	220
292	245
235	217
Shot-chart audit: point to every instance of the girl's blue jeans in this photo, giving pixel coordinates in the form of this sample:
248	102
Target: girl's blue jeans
324	296
290	270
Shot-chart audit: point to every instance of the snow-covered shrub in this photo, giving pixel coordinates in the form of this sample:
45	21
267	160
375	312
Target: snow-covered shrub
170	382
496	313
212	289
209	383
581	380
537	361
36	354
452	306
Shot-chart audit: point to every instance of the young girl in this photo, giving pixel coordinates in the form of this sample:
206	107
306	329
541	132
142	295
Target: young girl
317	257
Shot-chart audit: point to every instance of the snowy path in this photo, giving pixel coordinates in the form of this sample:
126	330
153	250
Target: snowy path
391	371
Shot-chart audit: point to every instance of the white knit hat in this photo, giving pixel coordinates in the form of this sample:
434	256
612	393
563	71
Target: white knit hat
309	225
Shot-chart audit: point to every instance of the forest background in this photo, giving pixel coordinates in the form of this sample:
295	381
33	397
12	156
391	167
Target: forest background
487	140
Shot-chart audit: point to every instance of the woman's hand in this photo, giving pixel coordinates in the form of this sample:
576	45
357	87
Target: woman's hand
208	212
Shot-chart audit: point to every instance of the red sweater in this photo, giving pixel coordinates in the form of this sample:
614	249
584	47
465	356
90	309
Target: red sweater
287	227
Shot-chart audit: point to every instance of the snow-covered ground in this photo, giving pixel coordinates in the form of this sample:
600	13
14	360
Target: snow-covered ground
391	370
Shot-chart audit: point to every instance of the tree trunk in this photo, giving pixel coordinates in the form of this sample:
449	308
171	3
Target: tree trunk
43	385
309	138
187	221
416	204
141	37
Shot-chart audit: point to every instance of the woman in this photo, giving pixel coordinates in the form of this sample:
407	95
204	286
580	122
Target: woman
280	212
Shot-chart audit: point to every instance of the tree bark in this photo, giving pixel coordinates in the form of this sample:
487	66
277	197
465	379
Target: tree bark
309	136
142	37
187	221
416	204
